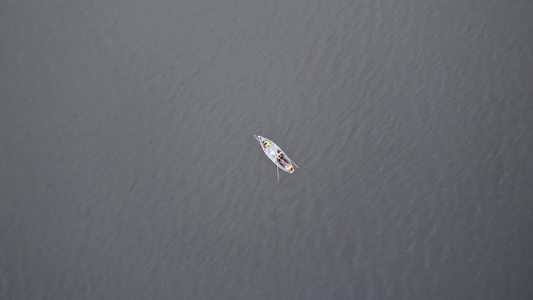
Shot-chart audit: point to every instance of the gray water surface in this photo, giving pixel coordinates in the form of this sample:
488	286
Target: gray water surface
129	169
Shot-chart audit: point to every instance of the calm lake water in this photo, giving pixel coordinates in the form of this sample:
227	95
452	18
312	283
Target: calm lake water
129	169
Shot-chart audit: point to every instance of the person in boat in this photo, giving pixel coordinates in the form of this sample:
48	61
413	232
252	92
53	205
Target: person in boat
281	158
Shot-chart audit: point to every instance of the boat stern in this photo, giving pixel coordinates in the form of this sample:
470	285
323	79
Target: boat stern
289	169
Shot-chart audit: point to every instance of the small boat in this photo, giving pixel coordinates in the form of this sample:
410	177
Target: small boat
276	155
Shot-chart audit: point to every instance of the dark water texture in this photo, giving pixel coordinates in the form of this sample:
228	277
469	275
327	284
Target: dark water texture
129	170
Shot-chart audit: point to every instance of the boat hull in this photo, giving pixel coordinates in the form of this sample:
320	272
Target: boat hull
273	151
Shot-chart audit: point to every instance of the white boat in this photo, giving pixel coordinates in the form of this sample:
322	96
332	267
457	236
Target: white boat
276	155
